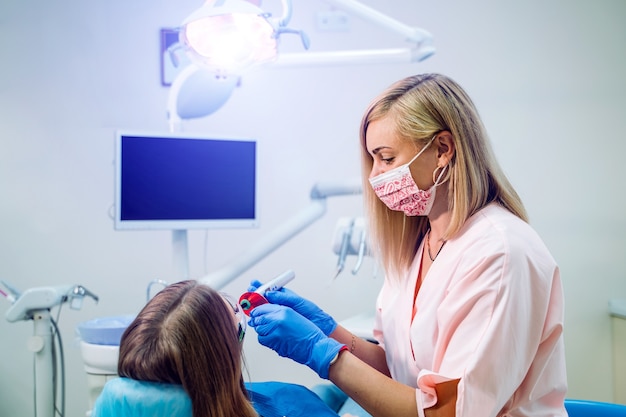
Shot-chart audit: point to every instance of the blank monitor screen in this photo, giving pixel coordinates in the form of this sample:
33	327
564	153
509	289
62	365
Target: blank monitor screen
183	181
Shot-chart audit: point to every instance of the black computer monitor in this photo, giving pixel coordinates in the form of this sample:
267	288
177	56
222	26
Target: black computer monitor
181	181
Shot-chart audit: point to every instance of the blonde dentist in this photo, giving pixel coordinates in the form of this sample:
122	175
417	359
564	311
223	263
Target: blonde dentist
469	320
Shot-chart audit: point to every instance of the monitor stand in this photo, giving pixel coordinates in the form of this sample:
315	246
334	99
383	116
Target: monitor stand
181	254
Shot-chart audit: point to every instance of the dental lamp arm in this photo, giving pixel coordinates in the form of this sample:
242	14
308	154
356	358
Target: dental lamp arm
35	304
411	33
354	57
421	48
283	233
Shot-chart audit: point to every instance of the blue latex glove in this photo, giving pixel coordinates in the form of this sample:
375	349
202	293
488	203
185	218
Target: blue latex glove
293	336
308	309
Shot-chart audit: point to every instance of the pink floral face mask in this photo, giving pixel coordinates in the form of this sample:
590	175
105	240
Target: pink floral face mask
397	189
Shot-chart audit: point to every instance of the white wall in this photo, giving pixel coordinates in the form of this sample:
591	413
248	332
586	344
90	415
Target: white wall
546	76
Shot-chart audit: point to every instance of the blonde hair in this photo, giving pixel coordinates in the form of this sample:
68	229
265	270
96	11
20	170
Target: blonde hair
422	106
186	335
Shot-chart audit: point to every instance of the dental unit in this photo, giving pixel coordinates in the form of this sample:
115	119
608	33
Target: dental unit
200	89
350	238
35	304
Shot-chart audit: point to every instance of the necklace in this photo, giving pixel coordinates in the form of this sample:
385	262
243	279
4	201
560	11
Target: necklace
432	258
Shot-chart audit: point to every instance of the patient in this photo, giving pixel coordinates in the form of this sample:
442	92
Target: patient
182	356
189	334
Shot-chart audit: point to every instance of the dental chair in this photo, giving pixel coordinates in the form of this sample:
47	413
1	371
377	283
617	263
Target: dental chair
125	397
586	408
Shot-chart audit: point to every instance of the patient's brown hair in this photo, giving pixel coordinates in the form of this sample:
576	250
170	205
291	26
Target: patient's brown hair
186	335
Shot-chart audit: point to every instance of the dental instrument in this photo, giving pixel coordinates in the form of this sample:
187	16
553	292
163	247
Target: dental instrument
252	299
350	238
35	304
345	246
361	253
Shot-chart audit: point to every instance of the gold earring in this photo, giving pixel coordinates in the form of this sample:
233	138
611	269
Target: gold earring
437	178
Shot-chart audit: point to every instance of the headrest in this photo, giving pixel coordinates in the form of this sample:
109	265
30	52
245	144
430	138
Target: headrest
125	397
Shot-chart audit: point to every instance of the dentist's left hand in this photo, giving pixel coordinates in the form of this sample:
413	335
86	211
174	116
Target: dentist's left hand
293	336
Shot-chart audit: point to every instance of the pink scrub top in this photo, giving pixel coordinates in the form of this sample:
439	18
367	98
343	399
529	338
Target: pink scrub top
490	312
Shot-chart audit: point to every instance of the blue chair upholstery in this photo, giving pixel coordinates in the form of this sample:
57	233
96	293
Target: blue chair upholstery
125	397
586	408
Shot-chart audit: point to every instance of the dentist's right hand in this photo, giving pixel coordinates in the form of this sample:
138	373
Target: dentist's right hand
308	309
291	335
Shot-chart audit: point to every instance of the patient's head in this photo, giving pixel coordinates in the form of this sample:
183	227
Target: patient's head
188	334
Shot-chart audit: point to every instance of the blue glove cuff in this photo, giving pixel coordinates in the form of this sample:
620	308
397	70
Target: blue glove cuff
325	353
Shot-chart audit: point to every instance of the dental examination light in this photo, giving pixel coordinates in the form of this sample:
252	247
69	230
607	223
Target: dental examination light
197	92
222	39
225	38
35	304
229	36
